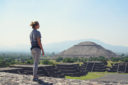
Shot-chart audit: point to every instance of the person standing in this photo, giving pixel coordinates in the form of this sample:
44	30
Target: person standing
36	47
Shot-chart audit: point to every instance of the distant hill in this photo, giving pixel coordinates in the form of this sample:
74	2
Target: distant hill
87	49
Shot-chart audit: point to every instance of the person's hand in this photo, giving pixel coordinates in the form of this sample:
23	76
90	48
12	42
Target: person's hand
42	53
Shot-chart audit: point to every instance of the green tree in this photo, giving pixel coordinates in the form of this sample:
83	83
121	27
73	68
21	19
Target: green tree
68	60
47	62
59	59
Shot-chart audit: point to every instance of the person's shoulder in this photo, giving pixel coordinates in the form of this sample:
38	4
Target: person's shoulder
38	31
38	34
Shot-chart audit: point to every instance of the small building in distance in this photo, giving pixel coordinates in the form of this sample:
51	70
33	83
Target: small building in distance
87	49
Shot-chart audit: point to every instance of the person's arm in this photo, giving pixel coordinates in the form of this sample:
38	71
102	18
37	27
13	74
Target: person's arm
40	44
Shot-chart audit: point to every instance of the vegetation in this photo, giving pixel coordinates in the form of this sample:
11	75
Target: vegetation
93	75
6	61
90	75
59	59
11	58
69	60
47	62
109	63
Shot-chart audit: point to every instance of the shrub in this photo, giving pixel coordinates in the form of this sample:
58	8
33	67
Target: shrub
124	59
115	59
75	59
68	60
6	62
29	61
59	59
47	62
102	58
93	59
83	59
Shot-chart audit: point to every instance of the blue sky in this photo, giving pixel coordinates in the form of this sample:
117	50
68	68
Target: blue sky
62	20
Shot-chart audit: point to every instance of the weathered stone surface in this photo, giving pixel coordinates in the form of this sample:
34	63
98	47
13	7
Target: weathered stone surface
17	79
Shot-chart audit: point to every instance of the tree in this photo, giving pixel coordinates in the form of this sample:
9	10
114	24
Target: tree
47	62
68	60
59	59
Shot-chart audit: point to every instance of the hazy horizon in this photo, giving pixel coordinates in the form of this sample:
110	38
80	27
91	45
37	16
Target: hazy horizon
64	20
58	47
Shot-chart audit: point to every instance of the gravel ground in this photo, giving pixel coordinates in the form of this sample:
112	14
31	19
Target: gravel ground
122	78
18	79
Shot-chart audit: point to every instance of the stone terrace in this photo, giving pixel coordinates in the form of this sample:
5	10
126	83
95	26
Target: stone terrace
58	71
119	67
94	66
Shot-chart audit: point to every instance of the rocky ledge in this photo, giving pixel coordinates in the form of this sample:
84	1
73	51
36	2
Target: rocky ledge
18	79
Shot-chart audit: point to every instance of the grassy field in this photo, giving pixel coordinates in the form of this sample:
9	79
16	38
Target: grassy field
90	75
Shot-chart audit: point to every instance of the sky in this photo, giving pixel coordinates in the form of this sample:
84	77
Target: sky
63	20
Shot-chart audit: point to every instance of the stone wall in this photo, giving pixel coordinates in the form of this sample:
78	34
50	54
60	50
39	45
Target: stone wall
94	66
71	69
119	67
59	71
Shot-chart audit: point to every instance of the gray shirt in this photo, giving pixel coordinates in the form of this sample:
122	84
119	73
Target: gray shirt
33	38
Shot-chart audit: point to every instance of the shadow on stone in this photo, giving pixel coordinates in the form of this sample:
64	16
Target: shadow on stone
43	83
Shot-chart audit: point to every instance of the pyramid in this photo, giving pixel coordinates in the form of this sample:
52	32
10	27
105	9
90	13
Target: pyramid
87	49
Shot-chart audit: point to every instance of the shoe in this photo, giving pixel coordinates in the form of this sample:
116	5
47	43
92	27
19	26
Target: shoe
35	79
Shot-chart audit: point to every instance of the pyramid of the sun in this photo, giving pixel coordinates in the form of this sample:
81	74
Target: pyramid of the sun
87	49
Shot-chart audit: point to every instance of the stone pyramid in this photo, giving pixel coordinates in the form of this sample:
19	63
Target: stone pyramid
87	49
